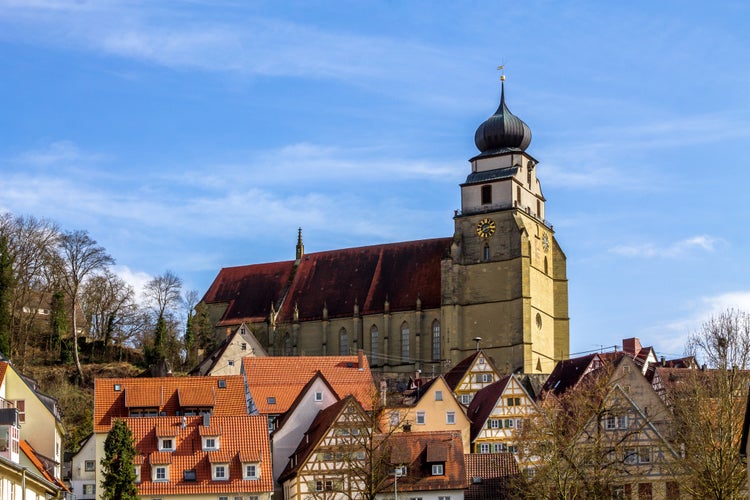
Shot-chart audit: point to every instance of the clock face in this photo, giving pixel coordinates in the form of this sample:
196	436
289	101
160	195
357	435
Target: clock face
485	228
545	242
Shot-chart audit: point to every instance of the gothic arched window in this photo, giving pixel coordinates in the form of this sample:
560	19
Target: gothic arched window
436	340
405	341
374	344
343	342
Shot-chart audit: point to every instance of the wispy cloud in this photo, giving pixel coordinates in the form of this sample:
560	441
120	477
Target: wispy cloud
56	153
677	249
672	335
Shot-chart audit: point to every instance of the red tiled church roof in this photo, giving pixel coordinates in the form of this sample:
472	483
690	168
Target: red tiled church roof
398	272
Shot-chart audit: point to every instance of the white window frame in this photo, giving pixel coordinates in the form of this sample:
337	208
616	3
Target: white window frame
484	447
224	468
89	465
137	469
438	395
420	420
159	470
450	418
438	469
318	396
167	443
465	399
246	471
207	446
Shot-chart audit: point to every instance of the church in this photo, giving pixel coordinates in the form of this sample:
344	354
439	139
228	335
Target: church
499	283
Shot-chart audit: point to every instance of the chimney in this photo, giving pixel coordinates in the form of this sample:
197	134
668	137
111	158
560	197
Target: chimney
631	345
361	359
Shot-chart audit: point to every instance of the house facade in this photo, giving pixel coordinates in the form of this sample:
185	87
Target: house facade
497	413
433	408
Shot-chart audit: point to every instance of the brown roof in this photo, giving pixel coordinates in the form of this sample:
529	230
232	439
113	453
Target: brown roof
568	373
489	475
455	374
424	449
283	378
114	397
483	403
243	437
400	273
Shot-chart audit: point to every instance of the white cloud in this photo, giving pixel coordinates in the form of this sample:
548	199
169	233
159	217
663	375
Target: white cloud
56	153
672	335
136	279
676	249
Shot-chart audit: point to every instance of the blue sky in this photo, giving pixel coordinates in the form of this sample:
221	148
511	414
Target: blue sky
190	136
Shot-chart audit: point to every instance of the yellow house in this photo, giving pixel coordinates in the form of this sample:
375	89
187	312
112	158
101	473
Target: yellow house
497	414
38	416
434	408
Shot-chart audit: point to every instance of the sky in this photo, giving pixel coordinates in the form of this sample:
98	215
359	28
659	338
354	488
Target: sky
194	135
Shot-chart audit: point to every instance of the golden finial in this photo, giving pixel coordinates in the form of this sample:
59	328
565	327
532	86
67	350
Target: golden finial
501	69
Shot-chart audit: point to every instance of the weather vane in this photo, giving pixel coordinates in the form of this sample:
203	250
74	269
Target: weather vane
501	69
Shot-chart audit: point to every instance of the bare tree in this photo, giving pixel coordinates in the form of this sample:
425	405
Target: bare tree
30	245
163	292
592	441
79	258
110	306
709	406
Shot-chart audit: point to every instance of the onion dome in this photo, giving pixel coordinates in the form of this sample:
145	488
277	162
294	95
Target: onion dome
502	132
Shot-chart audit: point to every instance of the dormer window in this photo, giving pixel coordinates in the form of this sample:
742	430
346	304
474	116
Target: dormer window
210	443
160	473
271	400
250	471
166	444
438	469
220	472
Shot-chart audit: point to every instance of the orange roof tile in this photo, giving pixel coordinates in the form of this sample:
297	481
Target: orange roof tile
244	438
213	430
203	396
143	399
31	453
110	396
160	458
283	377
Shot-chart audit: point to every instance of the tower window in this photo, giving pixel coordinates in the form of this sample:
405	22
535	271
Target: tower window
486	252
486	195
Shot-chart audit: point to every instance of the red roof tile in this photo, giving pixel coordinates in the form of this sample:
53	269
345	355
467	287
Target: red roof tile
399	272
490	475
110	396
249	290
243	437
283	378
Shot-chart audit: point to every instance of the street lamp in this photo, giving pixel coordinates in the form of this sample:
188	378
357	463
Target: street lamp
477	340
398	472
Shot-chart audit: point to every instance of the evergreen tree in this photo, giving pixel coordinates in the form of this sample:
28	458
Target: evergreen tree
6	286
58	323
117	464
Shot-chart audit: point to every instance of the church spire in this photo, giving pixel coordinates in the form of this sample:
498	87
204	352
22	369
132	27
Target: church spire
300	246
503	131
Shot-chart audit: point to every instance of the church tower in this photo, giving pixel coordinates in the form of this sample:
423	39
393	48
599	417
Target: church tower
505	280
